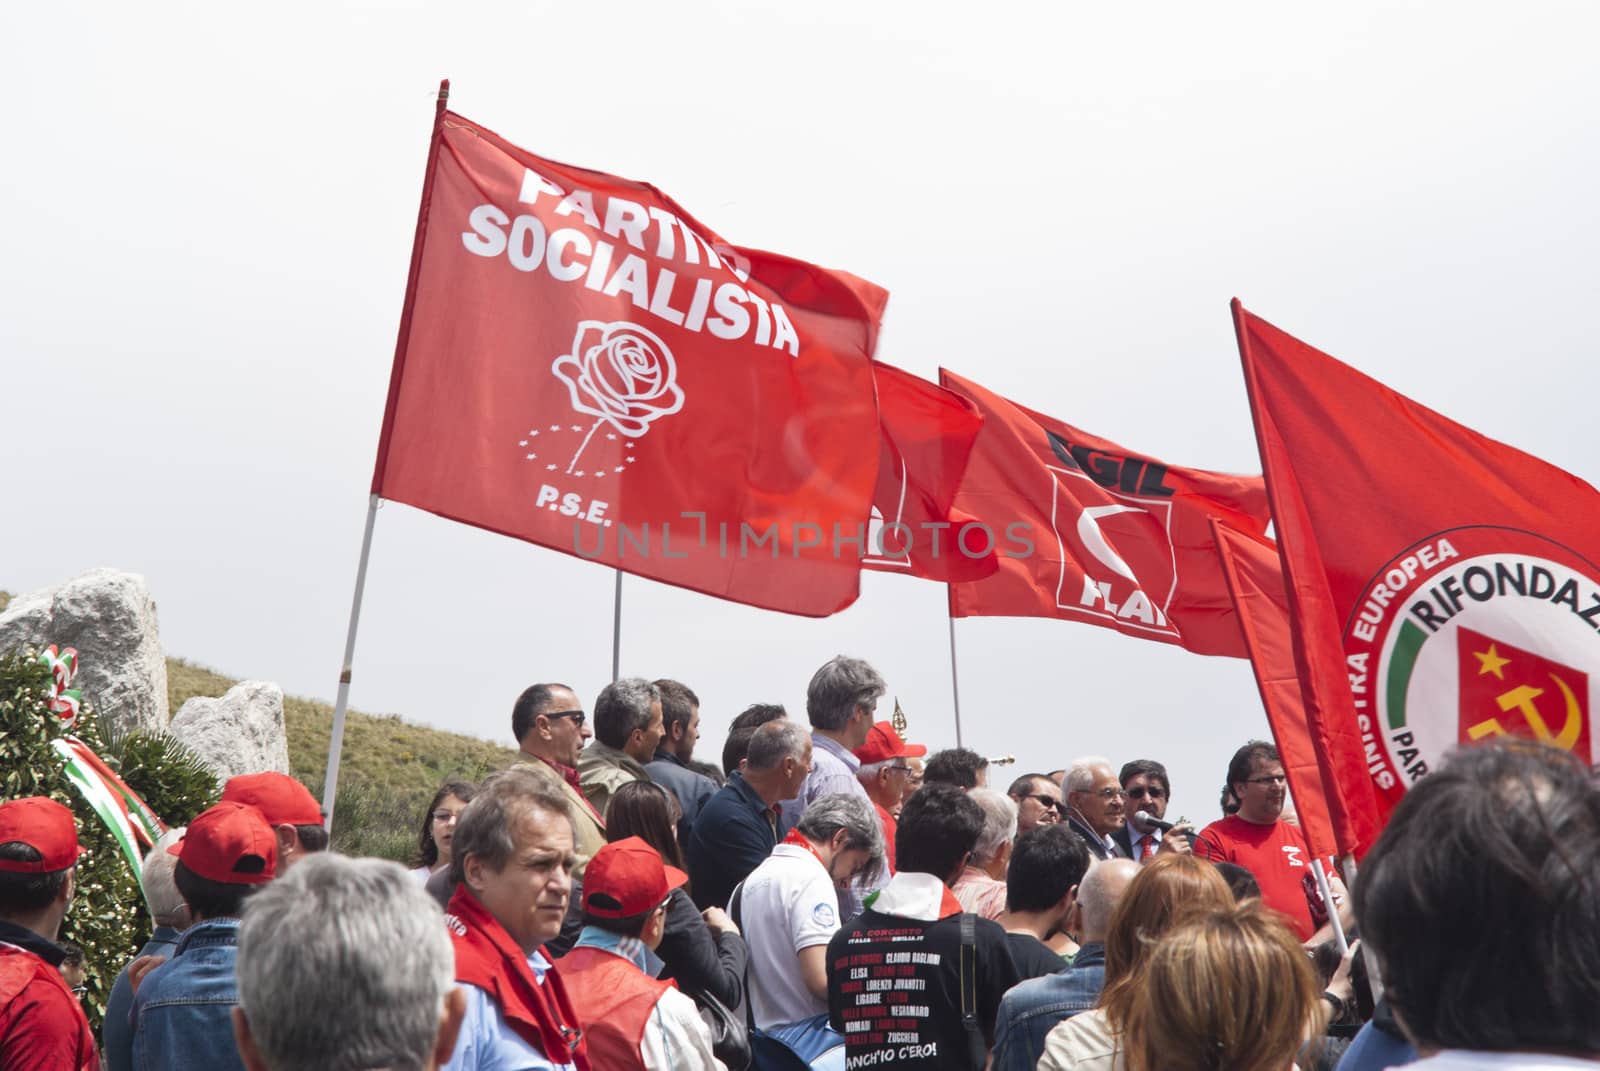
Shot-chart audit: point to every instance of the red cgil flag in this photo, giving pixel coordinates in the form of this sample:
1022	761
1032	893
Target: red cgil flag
585	366
1088	531
927	437
1255	583
1442	586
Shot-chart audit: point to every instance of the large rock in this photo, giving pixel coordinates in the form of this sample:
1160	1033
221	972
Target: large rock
240	733
110	618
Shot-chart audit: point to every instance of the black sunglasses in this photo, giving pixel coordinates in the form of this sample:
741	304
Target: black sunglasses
1139	792
578	717
1047	801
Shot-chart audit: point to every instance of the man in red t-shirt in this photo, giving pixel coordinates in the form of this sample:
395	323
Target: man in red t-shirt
42	1026
1259	840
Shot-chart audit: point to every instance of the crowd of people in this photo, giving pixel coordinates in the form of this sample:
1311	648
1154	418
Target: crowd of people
830	897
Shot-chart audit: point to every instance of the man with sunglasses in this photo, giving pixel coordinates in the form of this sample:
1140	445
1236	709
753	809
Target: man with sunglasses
1038	801
551	729
1145	784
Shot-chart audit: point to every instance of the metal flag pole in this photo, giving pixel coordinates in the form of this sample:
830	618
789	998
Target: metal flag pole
1374	980
955	685
1333	909
616	632
330	779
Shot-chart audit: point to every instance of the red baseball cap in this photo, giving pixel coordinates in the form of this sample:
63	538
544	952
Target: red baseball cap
230	843
884	743
280	798
628	878
45	826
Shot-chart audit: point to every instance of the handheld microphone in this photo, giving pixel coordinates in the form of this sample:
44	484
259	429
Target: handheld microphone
1148	819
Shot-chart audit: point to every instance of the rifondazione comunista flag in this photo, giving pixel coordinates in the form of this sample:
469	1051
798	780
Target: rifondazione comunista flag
1442	586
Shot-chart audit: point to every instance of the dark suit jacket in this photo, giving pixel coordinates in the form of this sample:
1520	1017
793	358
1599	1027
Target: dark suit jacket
1125	842
1097	846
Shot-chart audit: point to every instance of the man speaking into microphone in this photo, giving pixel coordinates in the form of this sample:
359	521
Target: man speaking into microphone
1145	832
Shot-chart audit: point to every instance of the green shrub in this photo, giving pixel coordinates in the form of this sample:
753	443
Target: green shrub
107	919
167	775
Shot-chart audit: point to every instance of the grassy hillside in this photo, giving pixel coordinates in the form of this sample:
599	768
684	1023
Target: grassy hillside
389	768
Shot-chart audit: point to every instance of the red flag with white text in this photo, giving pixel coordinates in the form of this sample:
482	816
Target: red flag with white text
585	366
1089	531
1442	586
927	437
1255	582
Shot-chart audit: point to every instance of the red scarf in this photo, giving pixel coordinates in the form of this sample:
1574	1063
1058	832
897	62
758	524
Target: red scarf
794	836
488	958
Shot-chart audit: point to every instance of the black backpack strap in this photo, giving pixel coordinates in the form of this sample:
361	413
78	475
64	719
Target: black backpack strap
969	970
733	906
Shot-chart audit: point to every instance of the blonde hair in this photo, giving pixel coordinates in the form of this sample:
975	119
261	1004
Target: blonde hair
1159	895
1229	989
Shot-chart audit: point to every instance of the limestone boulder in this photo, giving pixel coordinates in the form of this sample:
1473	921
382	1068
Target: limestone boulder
109	616
241	733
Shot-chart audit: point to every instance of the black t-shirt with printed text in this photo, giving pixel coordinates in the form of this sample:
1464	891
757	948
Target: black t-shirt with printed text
894	991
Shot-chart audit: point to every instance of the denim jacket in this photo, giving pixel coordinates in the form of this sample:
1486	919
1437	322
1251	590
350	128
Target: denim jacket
116	1033
182	1012
1030	1010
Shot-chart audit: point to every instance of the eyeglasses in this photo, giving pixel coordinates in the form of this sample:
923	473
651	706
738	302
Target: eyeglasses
446	816
1276	779
578	717
1110	793
907	769
1049	803
1139	792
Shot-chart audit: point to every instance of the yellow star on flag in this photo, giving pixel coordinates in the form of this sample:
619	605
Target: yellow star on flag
1490	662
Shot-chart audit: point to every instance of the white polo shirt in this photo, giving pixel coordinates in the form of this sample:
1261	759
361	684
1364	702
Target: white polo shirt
788	904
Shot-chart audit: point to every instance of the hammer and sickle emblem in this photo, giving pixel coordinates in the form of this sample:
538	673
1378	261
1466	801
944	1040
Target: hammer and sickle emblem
1521	698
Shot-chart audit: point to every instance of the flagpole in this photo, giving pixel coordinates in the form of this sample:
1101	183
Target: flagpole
955	684
330	779
616	632
1333	909
1347	863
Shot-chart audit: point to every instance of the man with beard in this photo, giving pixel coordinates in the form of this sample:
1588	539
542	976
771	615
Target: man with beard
1259	840
1095	805
669	768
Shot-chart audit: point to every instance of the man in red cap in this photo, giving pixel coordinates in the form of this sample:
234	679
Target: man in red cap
41	1024
631	1019
289	808
182	1011
886	776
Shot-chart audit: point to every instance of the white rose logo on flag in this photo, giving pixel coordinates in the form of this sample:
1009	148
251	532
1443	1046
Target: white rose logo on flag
621	374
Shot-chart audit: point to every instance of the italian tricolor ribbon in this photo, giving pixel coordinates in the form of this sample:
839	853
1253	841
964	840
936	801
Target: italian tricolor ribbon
129	818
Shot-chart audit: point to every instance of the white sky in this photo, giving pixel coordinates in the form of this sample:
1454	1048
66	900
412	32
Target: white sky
208	210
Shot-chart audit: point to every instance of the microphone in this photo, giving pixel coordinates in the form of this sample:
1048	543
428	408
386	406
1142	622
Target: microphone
1148	819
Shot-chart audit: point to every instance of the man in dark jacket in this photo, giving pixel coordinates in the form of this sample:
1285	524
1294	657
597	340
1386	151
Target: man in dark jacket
680	729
